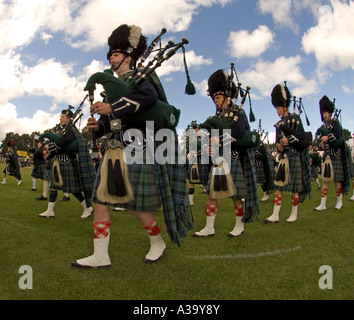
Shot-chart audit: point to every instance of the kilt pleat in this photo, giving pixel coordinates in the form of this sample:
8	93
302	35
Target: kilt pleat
38	171
203	171
338	166
295	180
71	178
300	174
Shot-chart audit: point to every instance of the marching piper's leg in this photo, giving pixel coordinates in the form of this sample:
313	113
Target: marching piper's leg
322	206
51	203
100	257
102	229
191	195
239	226
87	211
295	203
210	212
339	193
34	183
265	196
157	245
49	212
352	197
278	199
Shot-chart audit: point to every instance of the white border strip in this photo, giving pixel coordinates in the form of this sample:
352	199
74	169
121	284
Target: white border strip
16	223
249	255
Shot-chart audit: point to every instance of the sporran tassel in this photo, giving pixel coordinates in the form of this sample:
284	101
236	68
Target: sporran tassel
58	179
115	186
217	181
328	173
195	173
283	173
221	185
119	179
223	180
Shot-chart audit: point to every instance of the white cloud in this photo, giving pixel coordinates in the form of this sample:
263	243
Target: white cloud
85	25
175	64
11	69
285	12
202	88
264	75
10	122
20	20
48	78
245	44
88	24
279	9
332	40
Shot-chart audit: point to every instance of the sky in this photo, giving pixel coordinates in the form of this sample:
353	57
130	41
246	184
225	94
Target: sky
49	49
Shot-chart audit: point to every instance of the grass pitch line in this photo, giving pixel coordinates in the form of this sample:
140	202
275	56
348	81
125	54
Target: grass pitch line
245	256
17	224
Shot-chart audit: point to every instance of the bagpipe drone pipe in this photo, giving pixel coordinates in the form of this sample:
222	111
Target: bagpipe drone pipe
163	114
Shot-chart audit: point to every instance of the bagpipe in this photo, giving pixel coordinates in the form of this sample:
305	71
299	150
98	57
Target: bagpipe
228	117
54	136
290	125
327	128
163	114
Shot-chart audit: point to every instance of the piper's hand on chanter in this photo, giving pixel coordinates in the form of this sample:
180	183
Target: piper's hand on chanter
101	108
92	124
324	139
280	147
213	145
284	141
46	152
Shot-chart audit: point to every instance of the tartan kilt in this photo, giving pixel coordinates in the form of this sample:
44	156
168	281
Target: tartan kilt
143	179
261	178
238	178
71	178
11	170
203	171
338	166
314	172
47	175
295	180
38	171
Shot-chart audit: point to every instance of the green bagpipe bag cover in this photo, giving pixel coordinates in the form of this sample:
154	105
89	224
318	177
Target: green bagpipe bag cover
251	139
163	114
324	131
72	147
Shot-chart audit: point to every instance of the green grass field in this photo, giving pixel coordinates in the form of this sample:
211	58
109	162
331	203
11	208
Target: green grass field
269	261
